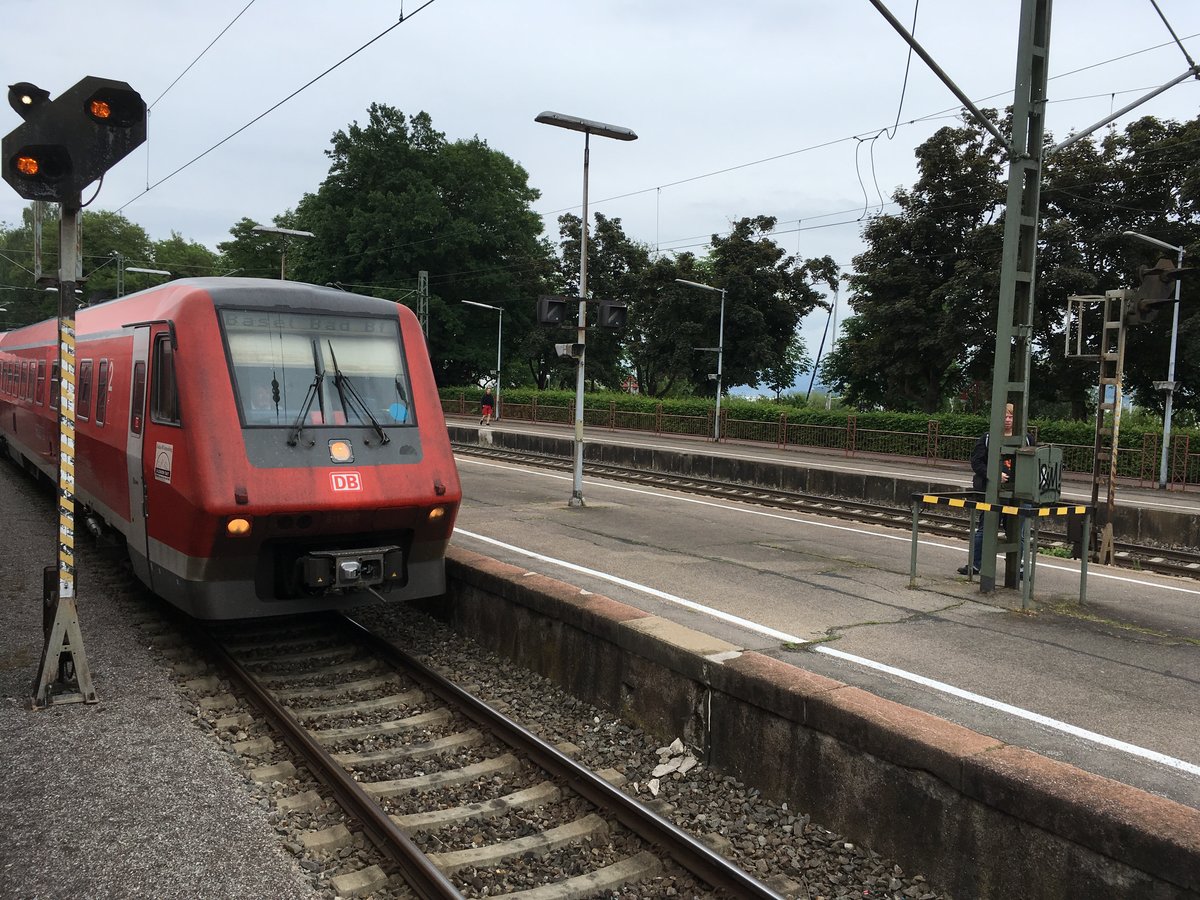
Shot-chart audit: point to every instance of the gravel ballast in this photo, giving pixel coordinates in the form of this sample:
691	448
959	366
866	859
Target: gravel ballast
127	797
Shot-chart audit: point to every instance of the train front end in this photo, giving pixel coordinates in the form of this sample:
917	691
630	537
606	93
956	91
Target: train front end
313	453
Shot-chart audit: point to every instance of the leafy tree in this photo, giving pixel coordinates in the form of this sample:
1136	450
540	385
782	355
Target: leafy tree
250	253
767	294
925	295
186	259
922	291
783	373
399	198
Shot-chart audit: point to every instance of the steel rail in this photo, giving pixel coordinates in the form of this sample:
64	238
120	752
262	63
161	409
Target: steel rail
425	879
709	866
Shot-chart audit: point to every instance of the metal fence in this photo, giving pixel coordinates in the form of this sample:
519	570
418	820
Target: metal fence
1141	464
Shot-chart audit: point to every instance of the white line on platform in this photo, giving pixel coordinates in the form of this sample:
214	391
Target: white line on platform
1104	740
645	589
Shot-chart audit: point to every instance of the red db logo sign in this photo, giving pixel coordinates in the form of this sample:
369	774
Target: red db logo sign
345	481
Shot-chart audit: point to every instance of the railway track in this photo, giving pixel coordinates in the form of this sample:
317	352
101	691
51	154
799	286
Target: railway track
459	799
933	520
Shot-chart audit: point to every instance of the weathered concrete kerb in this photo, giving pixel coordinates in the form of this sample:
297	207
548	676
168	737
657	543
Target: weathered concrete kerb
981	818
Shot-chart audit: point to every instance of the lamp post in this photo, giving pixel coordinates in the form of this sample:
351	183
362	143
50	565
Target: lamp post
618	133
1169	384
286	233
499	337
719	349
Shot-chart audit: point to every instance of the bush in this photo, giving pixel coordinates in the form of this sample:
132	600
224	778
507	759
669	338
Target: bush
1060	431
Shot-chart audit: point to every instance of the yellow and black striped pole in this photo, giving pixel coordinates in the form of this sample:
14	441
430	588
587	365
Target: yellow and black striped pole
64	675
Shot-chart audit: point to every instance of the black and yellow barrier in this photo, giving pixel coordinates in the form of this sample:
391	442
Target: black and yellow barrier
1029	514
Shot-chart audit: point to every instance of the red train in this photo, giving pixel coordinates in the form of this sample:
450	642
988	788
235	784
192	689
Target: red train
263	447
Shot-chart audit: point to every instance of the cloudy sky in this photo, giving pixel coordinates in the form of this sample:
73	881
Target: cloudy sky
762	107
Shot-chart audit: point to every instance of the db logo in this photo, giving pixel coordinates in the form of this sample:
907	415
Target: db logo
345	481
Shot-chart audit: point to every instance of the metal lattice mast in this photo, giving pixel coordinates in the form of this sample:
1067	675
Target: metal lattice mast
1014	318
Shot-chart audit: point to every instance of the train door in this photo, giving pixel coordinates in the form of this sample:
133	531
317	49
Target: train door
139	551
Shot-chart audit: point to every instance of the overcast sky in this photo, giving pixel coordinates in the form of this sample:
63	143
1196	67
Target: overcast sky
759	107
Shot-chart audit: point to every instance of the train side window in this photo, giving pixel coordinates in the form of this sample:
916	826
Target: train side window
102	391
55	385
138	397
164	395
83	397
24	381
39	396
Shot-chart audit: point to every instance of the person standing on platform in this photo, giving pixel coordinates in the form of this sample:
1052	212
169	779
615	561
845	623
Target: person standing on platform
979	460
486	406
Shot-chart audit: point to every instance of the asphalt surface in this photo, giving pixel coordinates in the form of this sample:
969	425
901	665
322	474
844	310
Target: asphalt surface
1125	667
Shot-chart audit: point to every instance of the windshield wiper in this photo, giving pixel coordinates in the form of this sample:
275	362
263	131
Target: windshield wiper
343	385
314	391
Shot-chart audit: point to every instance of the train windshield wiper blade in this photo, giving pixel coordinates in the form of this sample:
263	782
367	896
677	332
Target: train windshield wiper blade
314	392
343	385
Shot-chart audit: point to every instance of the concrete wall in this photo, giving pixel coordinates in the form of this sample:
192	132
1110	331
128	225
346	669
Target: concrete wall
978	817
1140	525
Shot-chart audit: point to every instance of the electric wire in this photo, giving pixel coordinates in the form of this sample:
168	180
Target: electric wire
267	112
202	52
947	112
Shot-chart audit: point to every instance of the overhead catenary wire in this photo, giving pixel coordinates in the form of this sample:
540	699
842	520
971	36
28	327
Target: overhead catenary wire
202	52
403	18
946	112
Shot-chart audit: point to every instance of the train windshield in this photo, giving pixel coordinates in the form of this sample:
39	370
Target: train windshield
333	369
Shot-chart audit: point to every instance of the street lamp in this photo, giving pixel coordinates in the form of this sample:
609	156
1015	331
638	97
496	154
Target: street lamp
719	349
1169	384
618	133
499	336
286	232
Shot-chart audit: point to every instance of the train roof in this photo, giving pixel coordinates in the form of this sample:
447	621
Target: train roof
268	293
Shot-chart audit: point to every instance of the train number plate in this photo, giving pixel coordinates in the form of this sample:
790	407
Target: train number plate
345	481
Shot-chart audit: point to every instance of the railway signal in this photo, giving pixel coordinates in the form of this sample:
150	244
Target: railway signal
61	147
1157	290
67	143
552	310
612	315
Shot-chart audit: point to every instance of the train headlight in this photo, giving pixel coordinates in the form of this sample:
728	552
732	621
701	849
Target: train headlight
340	451
237	527
437	513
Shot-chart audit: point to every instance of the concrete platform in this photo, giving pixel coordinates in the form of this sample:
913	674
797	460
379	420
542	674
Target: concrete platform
1144	514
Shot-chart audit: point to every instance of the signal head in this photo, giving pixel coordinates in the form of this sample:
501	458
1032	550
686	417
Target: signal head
72	140
25	98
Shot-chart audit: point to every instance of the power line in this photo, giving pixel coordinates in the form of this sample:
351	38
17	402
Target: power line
267	112
951	111
202	52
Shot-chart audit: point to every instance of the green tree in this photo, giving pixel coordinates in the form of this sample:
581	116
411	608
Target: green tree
186	259
923	291
767	294
782	374
926	291
399	198
250	253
